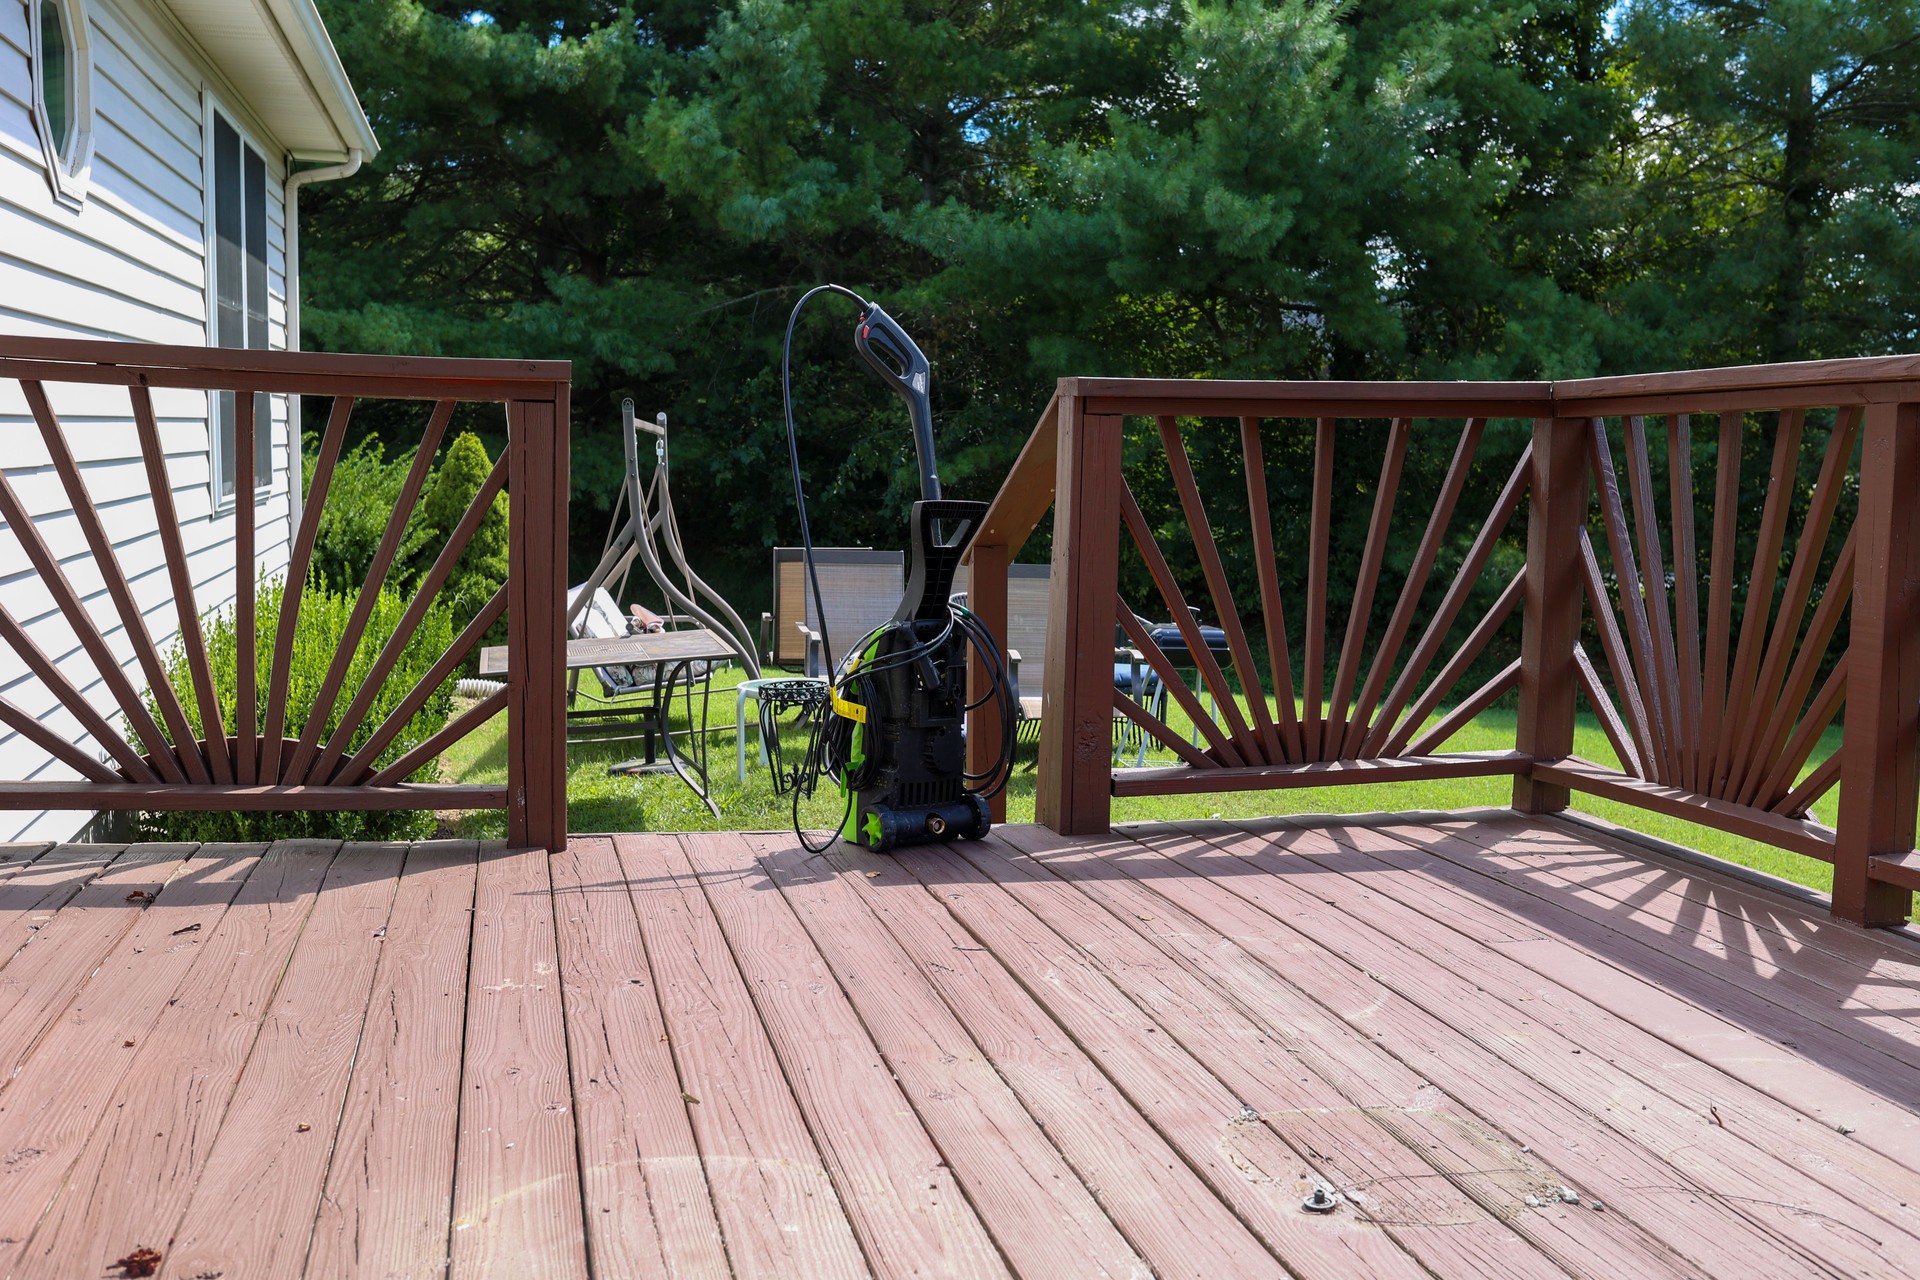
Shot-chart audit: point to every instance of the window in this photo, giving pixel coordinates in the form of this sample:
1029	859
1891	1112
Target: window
239	292
63	94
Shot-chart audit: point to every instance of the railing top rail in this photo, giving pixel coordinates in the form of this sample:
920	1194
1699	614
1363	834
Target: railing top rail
1224	397
321	373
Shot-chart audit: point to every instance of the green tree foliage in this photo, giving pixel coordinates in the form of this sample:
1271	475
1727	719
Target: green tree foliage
1294	188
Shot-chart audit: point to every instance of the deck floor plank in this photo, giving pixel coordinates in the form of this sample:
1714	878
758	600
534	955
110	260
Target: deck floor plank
1043	1217
902	1198
1297	935
1493	1167
1049	932
49	1108
284	1114
779	1210
649	1210
43	976
1474	985
385	1212
1441	1180
516	1189
133	1179
721	1055
1166	1209
31	891
1783	1142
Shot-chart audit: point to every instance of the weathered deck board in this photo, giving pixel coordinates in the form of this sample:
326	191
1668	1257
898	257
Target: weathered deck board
516	1187
1039	1211
385	1211
648	1208
55	1108
777	1204
721	1055
281	1123
903	1201
142	1162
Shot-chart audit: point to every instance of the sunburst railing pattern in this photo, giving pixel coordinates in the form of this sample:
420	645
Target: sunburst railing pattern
161	760
1721	619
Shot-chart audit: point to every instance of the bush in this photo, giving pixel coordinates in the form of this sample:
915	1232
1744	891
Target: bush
365	489
318	635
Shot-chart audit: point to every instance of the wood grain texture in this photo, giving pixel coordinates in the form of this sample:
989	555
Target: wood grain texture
778	1208
1445	1182
49	1110
384	1212
905	1204
1253	1170
648	1208
295	1075
1028	1194
1556	527
516	1189
1364	970
1152	1194
133	1180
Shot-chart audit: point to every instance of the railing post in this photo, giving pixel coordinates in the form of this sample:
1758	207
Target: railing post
987	597
536	622
1557	512
1075	784
1880	741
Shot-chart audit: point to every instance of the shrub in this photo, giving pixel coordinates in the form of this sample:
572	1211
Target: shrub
318	635
482	567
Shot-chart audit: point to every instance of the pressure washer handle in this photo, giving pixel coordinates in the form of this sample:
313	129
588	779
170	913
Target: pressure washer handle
894	358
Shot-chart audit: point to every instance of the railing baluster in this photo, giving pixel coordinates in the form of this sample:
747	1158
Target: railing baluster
1826	620
1726	510
424	595
1686	588
1614	647
1749	765
1458	665
193	643
54	578
1633	605
454	730
1264	736
1165	736
1364	587
1360	726
1476	702
1780	788
246	710
1273	613
114	577
1244	742
1653	577
280	677
1753	619
1177	688
1608	714
1458	593
329	692
1313	676
354	769
73	700
54	745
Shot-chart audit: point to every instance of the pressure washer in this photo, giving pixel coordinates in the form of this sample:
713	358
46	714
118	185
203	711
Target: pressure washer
894	743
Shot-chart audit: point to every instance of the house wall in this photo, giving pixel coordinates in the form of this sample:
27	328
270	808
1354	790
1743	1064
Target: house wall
131	264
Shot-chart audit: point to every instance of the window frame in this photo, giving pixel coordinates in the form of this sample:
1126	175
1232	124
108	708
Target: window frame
215	112
69	160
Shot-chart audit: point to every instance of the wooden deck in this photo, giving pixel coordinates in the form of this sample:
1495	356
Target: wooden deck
713	1055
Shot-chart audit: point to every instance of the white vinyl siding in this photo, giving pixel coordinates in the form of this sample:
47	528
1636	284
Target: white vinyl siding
130	264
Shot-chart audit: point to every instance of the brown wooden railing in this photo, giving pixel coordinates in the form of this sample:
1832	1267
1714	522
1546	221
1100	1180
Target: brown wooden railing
161	761
1714	693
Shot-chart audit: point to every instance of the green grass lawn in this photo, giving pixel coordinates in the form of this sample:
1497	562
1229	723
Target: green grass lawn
597	801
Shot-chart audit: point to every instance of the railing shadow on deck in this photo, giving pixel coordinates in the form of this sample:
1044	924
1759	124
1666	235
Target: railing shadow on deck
1716	630
168	750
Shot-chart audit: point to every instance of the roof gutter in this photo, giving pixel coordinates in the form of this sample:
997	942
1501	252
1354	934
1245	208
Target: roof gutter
295	181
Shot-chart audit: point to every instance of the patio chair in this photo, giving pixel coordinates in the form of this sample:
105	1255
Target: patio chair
860	590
